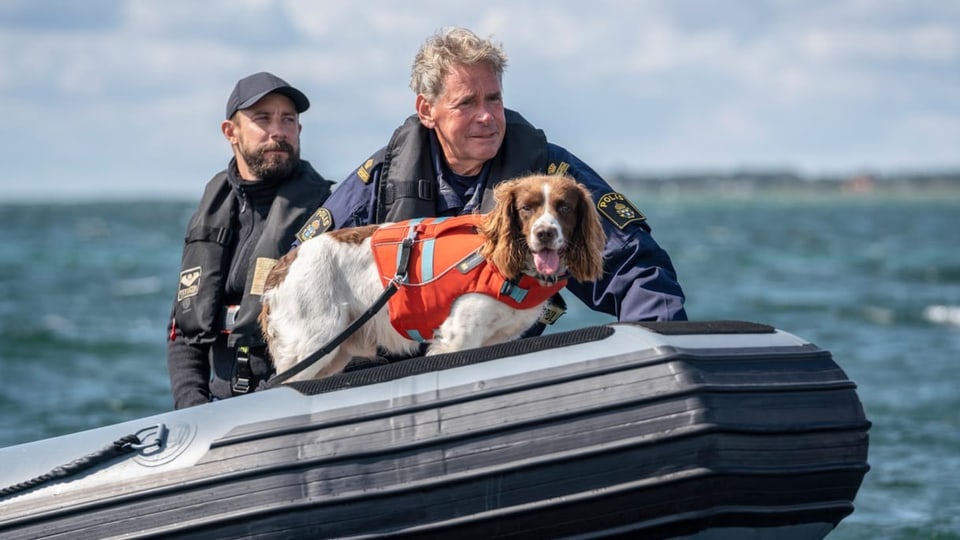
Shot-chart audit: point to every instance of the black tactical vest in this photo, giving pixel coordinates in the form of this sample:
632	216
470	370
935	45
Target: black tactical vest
408	181
207	254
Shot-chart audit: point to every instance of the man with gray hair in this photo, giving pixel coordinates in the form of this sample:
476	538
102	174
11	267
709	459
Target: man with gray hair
445	160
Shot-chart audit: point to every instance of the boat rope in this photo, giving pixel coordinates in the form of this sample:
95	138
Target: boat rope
119	447
399	278
154	437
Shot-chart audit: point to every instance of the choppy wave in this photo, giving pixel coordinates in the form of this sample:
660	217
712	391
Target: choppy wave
941	314
84	301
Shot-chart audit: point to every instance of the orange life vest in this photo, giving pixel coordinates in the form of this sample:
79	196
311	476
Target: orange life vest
444	263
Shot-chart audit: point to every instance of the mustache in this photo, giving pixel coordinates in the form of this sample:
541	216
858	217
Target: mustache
281	146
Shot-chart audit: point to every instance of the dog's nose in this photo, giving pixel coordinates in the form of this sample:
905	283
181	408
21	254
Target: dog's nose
546	235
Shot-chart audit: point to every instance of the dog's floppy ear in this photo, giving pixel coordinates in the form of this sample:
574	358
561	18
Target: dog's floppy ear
585	254
501	228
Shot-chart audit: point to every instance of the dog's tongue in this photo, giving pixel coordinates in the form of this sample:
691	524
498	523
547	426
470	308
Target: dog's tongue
547	261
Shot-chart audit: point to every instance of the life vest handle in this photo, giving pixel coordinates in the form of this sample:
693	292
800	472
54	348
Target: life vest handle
403	260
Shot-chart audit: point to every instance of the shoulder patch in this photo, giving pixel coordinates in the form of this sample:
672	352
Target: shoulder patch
558	169
189	283
321	221
364	171
619	210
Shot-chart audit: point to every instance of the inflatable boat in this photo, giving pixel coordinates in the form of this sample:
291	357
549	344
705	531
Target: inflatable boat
716	429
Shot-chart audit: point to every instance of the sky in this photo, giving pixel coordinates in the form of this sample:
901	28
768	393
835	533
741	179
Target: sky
124	98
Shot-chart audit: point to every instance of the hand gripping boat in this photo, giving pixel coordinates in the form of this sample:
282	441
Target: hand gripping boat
658	430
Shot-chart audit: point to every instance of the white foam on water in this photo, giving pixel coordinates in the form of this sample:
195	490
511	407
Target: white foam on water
941	314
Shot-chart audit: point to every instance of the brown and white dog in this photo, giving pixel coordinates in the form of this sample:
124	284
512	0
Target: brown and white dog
542	226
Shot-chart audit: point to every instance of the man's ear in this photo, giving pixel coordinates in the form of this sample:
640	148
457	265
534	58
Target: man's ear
425	112
229	130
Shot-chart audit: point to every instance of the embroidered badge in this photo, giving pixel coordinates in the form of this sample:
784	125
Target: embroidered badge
364	171
619	210
559	170
321	221
261	269
189	284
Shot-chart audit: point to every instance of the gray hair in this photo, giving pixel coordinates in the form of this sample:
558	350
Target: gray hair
447	49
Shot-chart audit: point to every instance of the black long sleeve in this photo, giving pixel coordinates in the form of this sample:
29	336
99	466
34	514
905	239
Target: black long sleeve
189	368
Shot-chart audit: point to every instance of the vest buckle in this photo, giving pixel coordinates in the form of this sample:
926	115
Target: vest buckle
241	379
229	318
425	189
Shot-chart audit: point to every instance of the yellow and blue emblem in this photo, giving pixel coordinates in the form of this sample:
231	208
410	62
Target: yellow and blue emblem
320	222
619	210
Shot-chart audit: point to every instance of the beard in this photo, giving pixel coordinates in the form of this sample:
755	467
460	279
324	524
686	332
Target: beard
272	167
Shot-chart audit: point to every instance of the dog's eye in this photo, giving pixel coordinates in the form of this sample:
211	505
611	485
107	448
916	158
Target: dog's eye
563	208
524	208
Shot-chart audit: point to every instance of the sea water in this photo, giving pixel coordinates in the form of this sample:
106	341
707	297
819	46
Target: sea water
86	291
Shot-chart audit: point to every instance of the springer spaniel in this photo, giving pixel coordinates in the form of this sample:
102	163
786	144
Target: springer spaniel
542	230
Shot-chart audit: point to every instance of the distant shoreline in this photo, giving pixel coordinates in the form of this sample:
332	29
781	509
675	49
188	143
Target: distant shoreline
740	184
745	184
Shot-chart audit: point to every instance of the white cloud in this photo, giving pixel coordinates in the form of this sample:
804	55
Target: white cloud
120	96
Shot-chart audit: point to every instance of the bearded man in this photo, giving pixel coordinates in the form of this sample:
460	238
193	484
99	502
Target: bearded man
250	214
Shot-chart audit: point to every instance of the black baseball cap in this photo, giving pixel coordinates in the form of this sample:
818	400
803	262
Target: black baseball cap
250	90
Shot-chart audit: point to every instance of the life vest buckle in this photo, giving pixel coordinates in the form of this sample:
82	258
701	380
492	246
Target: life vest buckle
241	381
230	318
403	258
513	290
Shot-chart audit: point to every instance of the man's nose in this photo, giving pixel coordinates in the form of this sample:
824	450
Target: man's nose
485	114
277	130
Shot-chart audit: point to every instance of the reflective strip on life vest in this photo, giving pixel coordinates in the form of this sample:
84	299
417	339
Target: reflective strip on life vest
426	255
